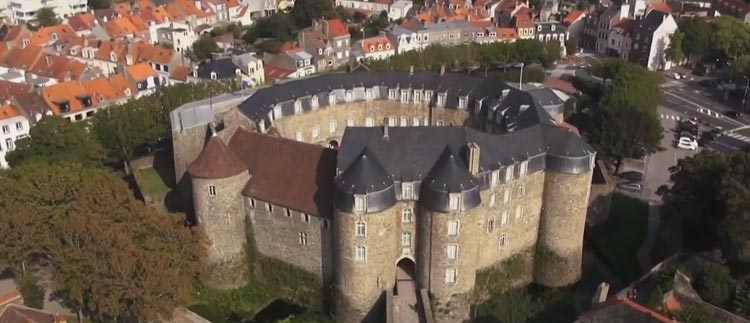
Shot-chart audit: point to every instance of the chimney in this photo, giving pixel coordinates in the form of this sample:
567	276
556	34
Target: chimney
601	294
442	70
411	70
385	128
473	158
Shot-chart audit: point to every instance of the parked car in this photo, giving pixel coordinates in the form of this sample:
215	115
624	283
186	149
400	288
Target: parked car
688	134
631	176
687	143
630	187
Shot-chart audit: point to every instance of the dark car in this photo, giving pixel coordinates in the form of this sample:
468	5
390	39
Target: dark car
631	176
733	114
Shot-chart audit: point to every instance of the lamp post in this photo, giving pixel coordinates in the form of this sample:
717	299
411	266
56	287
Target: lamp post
520	78
744	96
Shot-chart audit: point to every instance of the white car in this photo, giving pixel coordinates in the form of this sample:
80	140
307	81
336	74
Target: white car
687	143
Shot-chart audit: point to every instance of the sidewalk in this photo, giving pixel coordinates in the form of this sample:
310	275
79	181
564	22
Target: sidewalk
644	252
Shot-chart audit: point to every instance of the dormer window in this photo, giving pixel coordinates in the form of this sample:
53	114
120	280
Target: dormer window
539	28
441	99
25	42
407	191
213	75
368	94
331	98
277	112
113	57
380	46
297	107
372	48
349	96
314	102
404	96
237	72
388	46
360	204
392	95
493	34
427	96
463	102
320	51
128	92
454	201
552	27
480	34
417	96
54	36
508	173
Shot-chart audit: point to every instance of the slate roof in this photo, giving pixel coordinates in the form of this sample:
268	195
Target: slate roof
365	169
223	67
449	174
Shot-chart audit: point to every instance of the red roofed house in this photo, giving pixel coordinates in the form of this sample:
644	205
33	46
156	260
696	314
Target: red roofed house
374	48
524	23
13	126
574	21
328	41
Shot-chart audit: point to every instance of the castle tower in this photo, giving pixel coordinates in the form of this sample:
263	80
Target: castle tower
366	248
567	183
218	177
448	196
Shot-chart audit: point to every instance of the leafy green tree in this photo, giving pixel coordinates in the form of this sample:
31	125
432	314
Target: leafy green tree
675	51
694	314
32	293
279	26
99	4
716	285
730	35
607	68
55	140
513	306
374	25
46	17
741	302
741	67
109	255
205	47
734	231
305	11
697	34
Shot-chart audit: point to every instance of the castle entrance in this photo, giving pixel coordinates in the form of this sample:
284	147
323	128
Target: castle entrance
405	270
406	306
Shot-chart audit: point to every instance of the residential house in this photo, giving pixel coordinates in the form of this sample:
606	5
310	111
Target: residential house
374	7
10	89
15	35
374	48
620	39
219	68
253	71
448	33
296	60
82	23
408	36
574	22
651	38
179	35
108	91
524	23
735	8
329	43
145	78
70	100
25	11
552	31
596	28
494	35
241	14
13	126
220	7
399	9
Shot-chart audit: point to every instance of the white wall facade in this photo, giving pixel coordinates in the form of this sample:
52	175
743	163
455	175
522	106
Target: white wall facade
657	58
11	129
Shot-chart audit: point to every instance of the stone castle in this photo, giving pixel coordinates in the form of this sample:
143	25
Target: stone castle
356	176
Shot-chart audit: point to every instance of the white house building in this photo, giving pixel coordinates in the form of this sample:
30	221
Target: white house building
13	126
25	11
374	48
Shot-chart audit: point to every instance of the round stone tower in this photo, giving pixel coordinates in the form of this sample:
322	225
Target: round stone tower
366	241
567	182
448	227
218	177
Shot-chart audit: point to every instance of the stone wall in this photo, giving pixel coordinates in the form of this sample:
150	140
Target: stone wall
279	234
223	218
560	242
360	285
602	188
187	145
339	114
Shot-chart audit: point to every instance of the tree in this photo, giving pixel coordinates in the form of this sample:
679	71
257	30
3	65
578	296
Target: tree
697	33
674	51
741	67
99	4
205	47
571	46
305	11
46	17
694	314
374	25
716	285
279	26
108	255
606	68
730	35
55	140
741	302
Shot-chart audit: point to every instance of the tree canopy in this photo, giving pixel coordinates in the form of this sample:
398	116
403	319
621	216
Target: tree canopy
99	4
46	17
204	48
730	35
675	50
53	140
108	255
697	33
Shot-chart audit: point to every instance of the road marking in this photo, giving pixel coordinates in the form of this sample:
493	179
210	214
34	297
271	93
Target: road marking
700	108
739	137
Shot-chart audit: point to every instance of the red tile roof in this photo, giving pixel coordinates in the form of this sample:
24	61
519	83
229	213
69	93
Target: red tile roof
66	92
336	28
376	44
523	18
573	16
142	71
272	72
626	25
216	161
10	89
663	7
82	21
8	111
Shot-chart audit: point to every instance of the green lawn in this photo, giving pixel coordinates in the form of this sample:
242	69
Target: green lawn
231	305
152	183
619	238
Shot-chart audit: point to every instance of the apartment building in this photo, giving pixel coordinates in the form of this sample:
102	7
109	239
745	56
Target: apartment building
25	11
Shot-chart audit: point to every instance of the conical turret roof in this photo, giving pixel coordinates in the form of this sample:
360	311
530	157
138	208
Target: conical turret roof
216	161
449	174
365	175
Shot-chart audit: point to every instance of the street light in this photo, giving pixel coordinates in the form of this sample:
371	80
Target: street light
744	96
520	78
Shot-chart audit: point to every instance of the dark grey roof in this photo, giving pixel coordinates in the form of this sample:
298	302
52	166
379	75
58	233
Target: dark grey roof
449	174
545	97
223	67
365	169
649	23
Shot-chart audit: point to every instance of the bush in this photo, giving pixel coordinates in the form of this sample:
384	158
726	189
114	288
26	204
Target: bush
32	293
716	285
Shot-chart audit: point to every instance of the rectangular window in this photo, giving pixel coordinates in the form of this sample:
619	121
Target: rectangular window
404	122
252	203
270	207
490	225
297	107
332	126
417	97
454	200
441	100
359	203
361	254
6	129
303	238
503	240
504	219
19	126
350	123
521	191
315	132
519	211
463	102
404	96
494	178
509	173
427	96
524	166
392	94
453	228
361	229
506	195
493	199
326	225
406	240
407	191
406	215
415	122
211	189
452	251
369	122
288	213
391	121
368	94
306	217
440	123
451	275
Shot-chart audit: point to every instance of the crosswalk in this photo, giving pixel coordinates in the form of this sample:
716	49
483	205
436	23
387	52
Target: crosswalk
739	137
